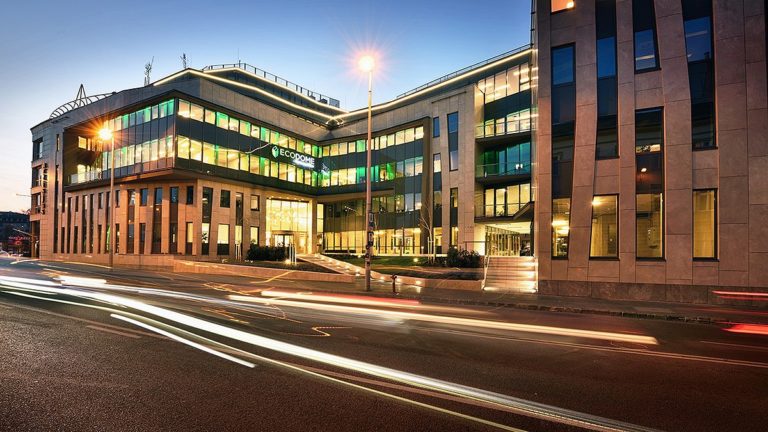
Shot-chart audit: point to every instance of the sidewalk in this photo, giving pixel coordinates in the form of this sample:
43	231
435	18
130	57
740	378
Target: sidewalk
683	312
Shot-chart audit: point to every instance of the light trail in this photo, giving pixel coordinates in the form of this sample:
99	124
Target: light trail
469	322
501	401
172	336
340	298
758	329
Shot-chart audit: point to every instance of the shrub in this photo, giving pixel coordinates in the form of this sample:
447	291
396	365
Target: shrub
266	253
463	259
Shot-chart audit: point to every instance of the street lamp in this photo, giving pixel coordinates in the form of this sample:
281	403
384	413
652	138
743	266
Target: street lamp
366	64
106	134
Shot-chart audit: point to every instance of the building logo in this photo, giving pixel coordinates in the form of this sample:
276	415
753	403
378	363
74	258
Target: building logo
296	158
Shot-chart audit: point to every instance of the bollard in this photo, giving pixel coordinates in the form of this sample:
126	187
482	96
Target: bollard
394	287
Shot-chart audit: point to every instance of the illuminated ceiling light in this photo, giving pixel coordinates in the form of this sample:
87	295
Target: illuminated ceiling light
642	170
569	5
596	201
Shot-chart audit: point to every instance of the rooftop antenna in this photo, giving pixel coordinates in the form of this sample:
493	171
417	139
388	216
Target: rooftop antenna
184	60
148	71
239	62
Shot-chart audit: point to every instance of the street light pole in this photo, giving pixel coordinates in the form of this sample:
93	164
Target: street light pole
368	64
111	201
104	134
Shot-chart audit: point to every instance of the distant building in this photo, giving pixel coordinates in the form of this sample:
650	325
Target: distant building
14	229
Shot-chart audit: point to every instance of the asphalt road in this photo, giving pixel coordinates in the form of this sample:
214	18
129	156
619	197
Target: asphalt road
154	351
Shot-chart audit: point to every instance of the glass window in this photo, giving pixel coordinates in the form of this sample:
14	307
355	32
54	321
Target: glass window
606	57
158	196
437	166
245	128
562	65
190	195
222	120
196	150
174	194
645	50
183	147
196	112
210	116
418	133
649	223
454	197
605	233
644	24
254	237
144	195
254	202
561	215
705	223
184	107
649	130
453	159
453	122
224	199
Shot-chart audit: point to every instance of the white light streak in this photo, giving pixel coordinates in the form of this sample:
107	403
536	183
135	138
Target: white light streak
469	322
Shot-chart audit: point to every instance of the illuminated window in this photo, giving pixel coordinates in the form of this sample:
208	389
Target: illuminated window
604	235
196	112
561	214
561	5
649	223
705	223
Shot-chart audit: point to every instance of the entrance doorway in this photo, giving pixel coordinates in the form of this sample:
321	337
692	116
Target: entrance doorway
508	239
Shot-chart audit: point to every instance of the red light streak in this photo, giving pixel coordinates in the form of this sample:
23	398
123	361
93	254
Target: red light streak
758	329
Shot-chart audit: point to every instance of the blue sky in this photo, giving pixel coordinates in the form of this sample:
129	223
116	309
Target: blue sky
49	48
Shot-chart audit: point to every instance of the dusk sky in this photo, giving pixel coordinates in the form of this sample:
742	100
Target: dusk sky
49	48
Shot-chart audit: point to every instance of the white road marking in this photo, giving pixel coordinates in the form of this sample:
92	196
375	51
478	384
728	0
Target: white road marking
752	347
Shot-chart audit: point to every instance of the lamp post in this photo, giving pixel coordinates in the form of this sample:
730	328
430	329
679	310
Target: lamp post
106	134
366	64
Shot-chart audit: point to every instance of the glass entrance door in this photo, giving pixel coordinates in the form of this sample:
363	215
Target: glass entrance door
283	240
513	239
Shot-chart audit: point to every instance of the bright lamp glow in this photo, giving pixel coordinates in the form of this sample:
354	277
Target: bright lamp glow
366	63
105	133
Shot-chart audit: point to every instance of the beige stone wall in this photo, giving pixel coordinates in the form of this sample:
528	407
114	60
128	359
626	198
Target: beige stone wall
737	168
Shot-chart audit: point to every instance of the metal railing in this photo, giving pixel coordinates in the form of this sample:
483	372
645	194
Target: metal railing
280	81
502	169
85	177
465	70
505	128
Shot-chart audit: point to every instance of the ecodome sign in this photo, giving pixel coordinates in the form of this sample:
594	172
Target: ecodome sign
293	156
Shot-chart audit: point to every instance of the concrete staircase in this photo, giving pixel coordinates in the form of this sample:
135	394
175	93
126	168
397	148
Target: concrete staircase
514	274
